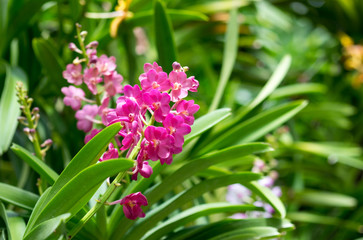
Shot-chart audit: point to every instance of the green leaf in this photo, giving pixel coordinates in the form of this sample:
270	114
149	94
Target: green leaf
298	89
50	61
328	199
18	196
267	195
9	107
234	153
50	229
163	210
313	218
194	213
218	6
16	227
37	209
18	19
206	122
257	126
146	17
276	78
332	151
79	189
229	57
251	233
207	231
164	37
35	163
4	216
87	156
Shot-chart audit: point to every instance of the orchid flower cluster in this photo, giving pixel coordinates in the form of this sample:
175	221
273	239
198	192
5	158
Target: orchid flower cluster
154	117
238	194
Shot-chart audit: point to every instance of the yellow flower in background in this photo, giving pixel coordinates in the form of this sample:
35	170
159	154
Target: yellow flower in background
122	7
121	13
353	58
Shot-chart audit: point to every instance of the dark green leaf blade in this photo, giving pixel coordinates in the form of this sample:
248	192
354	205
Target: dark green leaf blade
164	37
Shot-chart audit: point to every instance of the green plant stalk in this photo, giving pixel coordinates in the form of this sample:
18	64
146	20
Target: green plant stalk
105	196
96	207
81	43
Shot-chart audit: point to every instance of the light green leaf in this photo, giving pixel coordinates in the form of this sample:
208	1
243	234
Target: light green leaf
234	153
207	121
276	78
334	152
267	195
164	37
229	57
298	89
328	199
257	126
50	229
163	210
218	6
194	213
35	163
79	189
146	17
9	107
87	156
16	227
18	196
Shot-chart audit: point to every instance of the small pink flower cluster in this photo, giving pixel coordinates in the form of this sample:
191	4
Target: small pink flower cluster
160	99
239	194
99	75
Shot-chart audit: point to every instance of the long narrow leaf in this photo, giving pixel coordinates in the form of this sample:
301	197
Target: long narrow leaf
257	126
267	195
208	231
197	165
194	213
206	122
159	213
229	57
18	196
77	190
164	37
35	163
9	107
16	227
